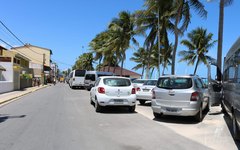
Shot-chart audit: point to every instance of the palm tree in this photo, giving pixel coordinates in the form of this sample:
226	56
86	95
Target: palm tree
140	57
155	21
223	3
198	46
98	46
121	31
182	9
85	61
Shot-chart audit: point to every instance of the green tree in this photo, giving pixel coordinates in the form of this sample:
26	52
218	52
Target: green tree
182	17
140	57
199	42
155	21
121	32
84	62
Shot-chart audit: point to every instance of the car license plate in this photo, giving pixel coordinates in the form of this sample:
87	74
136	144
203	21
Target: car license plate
118	101
172	109
145	90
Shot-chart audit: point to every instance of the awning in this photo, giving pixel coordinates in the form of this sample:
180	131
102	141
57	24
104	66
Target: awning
2	68
47	68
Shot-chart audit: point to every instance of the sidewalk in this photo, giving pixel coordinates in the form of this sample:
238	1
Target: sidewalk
6	97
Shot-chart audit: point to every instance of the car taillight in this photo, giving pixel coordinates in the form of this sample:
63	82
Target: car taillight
194	96
138	89
153	94
133	91
73	79
101	90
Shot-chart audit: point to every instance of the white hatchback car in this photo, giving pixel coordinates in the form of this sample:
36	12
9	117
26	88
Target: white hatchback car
113	91
144	92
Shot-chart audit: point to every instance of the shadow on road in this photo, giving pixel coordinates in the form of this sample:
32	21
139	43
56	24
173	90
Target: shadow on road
147	104
116	110
179	119
3	118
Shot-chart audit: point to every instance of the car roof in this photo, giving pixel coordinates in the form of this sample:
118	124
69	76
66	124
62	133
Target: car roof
184	76
117	77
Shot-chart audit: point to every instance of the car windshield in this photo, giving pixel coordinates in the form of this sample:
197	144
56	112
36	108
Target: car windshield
174	83
150	82
116	82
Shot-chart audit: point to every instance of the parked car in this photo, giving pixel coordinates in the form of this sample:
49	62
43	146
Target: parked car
113	91
138	82
76	78
180	96
229	88
91	77
144	92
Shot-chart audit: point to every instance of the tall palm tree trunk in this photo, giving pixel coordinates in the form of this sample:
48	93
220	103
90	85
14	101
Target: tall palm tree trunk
176	40
195	70
143	71
159	42
99	63
220	40
122	67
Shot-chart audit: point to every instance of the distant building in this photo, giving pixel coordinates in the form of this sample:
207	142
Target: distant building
125	72
40	59
13	66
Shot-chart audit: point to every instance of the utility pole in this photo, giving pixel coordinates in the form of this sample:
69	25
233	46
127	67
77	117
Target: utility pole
43	69
159	42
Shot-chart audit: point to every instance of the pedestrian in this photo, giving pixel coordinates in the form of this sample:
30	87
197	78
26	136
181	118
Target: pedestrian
38	81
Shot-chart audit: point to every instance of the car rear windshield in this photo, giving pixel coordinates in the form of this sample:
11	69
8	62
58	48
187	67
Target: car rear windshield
150	82
116	82
138	81
90	77
174	83
80	73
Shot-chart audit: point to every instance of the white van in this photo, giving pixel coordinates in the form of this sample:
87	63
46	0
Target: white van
76	78
91	77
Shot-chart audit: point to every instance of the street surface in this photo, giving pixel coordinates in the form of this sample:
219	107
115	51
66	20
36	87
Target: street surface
59	118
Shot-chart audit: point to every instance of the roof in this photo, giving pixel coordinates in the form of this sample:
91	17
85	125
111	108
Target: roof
29	45
117	71
1	47
234	49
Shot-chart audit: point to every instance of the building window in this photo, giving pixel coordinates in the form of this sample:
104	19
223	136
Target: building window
16	61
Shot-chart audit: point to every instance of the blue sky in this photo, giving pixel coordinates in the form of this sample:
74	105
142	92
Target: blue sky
67	26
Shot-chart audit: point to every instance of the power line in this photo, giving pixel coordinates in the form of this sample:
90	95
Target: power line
11	32
6	43
61	62
17	37
18	50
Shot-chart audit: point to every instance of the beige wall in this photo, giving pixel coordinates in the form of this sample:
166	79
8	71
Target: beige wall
35	54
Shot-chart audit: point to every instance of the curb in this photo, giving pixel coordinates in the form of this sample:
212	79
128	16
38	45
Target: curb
22	94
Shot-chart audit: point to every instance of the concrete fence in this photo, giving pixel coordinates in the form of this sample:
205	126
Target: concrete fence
6	86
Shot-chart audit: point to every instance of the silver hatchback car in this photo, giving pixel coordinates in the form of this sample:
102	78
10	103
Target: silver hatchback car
180	96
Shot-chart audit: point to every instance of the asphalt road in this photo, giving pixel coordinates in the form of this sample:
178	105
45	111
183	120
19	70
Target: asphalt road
59	118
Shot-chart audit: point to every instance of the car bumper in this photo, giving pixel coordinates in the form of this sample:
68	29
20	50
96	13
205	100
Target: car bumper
190	110
141	96
104	100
